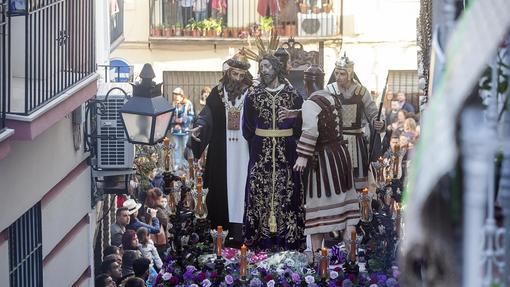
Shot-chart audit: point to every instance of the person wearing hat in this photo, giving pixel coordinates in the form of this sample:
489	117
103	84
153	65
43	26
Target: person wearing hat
219	127
358	109
135	223
179	124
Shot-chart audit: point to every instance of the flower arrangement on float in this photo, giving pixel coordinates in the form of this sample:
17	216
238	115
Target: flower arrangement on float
288	268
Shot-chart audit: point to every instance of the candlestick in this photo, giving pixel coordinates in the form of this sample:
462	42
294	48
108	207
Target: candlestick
166	153
397	221
324	263
219	240
200	205
191	168
352	255
243	262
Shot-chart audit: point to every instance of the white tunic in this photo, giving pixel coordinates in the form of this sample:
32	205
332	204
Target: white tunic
238	156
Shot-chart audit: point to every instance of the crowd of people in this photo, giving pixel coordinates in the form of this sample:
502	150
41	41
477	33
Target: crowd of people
279	166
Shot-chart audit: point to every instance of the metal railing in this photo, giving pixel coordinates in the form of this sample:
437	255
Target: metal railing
243	18
55	50
4	67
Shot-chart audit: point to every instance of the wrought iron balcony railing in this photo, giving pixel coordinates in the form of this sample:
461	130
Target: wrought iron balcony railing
52	49
4	69
243	18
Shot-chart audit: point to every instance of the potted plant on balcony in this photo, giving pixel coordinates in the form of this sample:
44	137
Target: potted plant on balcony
178	29
217	26
167	30
266	25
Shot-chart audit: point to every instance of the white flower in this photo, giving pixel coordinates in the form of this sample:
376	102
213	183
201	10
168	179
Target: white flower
193	285
270	283
167	276
309	279
280	271
374	285
206	283
333	274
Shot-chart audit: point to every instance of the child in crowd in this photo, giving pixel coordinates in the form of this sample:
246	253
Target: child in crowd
147	247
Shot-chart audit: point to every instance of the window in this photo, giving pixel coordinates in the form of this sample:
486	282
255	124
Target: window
404	81
25	249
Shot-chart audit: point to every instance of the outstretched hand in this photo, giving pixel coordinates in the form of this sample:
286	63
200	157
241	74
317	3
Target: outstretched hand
195	133
285	113
300	164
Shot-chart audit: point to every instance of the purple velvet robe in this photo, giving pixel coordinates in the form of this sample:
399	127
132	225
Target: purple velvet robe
288	198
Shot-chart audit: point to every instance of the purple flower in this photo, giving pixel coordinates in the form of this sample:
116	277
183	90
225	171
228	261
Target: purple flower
206	283
309	279
255	282
167	276
229	279
295	277
191	268
391	282
188	275
270	283
333	275
347	283
381	279
332	283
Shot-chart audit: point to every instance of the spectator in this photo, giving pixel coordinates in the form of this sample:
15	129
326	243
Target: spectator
112	268
116	257
135	223
401	97
186	10
104	280
392	115
182	118
147	247
119	227
131	252
111	249
200	9
410	128
203	97
134	282
398	125
154	200
141	268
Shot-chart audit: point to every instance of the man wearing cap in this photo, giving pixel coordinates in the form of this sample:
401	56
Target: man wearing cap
219	127
358	109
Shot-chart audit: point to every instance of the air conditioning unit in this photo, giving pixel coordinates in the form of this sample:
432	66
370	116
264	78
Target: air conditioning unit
318	25
113	149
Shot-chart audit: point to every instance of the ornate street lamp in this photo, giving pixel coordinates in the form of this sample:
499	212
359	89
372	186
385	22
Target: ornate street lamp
146	115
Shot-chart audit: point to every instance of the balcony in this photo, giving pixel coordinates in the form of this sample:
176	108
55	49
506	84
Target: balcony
52	50
242	19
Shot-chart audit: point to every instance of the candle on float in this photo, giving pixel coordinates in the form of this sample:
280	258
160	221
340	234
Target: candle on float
243	263
324	263
219	240
166	153
200	205
352	255
191	168
397	220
